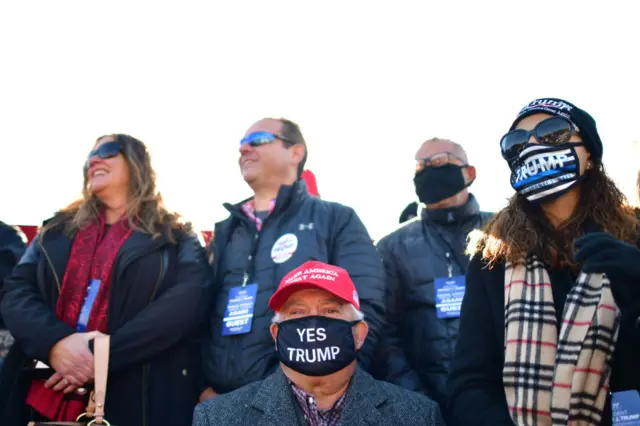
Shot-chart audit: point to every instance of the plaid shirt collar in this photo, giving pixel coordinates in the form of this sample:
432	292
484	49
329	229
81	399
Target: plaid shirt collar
249	209
312	414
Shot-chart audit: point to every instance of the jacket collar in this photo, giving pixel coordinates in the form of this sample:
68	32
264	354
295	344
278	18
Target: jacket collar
137	245
58	247
287	196
275	400
363	399
454	214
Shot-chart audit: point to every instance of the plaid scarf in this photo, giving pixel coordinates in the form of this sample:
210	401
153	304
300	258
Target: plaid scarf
93	252
551	378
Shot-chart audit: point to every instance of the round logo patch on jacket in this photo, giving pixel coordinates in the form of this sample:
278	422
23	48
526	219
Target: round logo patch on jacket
283	248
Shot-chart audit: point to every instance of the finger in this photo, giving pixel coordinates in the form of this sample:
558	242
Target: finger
593	236
590	238
598	256
86	370
51	381
79	377
593	243
75	379
602	266
70	389
589	248
61	385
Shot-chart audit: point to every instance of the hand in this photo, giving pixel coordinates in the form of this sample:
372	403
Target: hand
59	383
208	394
72	359
601	252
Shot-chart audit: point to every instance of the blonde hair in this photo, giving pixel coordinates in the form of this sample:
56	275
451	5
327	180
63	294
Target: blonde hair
145	208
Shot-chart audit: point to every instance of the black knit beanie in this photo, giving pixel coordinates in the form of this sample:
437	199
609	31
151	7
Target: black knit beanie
581	119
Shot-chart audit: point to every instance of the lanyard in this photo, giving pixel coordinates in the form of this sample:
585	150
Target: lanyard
461	260
251	260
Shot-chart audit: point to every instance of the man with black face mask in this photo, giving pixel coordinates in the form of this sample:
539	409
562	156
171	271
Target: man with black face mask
318	329
425	265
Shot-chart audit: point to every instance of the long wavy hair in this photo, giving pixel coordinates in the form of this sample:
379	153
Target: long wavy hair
521	228
146	211
638	185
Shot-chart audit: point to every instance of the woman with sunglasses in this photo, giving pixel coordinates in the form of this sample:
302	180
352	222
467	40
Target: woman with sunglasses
548	332
114	262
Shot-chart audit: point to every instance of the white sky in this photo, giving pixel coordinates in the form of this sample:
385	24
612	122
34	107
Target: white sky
368	81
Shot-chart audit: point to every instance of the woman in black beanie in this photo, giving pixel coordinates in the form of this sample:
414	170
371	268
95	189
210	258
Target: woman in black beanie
548	333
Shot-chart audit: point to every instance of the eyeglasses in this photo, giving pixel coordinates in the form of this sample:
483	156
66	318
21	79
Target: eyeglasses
261	138
552	131
438	160
104	151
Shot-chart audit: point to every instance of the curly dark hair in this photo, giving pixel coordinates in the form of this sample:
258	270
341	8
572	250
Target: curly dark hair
521	228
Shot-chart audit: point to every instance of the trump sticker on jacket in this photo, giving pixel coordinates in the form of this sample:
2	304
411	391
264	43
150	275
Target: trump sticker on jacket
284	248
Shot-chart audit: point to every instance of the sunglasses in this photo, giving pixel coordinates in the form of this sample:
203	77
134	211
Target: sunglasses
552	131
261	138
104	151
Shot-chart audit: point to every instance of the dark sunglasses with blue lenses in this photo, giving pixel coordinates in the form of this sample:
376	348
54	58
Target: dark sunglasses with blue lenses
104	151
552	131
261	138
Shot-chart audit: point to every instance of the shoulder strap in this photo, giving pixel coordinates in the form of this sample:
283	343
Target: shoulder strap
101	360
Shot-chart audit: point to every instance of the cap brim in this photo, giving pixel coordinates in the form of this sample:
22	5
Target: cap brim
281	296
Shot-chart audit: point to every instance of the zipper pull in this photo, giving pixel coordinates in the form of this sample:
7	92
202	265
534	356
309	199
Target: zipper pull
449	265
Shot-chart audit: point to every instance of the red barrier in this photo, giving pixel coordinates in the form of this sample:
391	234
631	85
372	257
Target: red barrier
29	231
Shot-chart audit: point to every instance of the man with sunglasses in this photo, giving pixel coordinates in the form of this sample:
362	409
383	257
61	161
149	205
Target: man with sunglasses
425	263
266	236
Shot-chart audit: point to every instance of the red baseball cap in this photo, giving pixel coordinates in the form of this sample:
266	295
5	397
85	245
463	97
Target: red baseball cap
314	274
310	180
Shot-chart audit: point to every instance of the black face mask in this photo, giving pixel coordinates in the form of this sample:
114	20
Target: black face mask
542	173
316	345
435	184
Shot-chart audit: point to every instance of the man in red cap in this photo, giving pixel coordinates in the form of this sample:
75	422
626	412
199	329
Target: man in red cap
318	329
283	225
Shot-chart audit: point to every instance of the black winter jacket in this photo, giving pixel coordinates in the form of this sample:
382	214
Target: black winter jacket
325	231
475	385
155	307
418	346
12	246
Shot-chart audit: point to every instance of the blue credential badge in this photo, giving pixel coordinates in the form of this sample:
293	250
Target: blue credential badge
89	300
625	408
449	295
238	315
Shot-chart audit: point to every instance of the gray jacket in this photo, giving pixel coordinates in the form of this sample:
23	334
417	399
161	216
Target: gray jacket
270	402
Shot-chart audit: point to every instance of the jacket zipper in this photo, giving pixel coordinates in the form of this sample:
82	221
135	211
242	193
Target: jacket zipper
55	274
229	356
145	367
